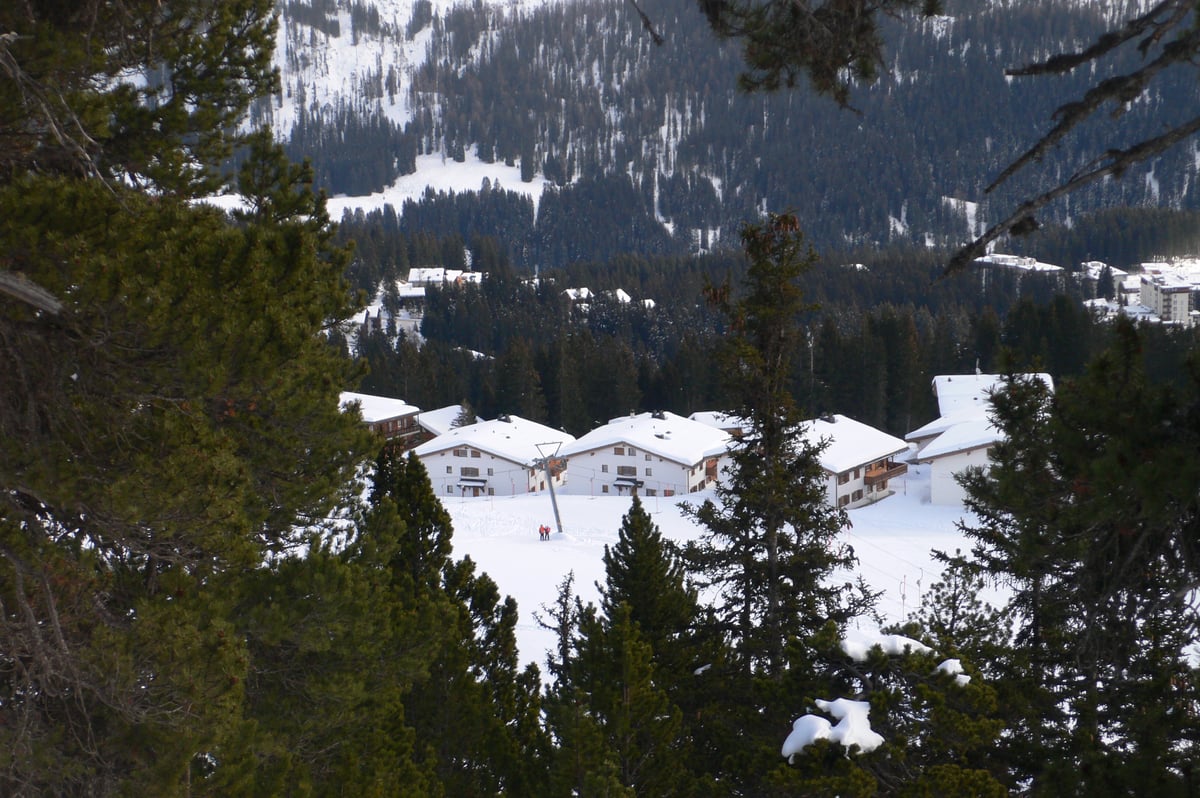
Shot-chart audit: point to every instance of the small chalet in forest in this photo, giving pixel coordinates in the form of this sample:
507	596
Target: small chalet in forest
494	458
859	460
963	434
648	454
392	419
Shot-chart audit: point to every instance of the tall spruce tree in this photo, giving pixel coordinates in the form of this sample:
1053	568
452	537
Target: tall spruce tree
771	544
1089	512
644	572
772	535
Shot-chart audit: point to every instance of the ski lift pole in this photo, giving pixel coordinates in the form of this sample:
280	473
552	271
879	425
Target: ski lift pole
545	461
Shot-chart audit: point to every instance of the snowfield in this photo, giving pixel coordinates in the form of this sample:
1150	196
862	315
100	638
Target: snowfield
894	540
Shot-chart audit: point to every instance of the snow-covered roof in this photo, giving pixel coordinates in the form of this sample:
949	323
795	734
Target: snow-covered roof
666	435
578	294
1018	262
964	401
1095	268
441	420
377	408
721	420
940	425
850	443
959	393
509	437
971	433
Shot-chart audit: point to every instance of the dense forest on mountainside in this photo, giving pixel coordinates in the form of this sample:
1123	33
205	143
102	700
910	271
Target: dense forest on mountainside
653	149
883	323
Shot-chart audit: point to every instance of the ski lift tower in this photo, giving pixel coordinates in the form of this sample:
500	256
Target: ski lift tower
544	462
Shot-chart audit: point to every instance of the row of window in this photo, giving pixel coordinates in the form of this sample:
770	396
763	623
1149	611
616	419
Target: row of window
463	452
648	491
852	497
626	471
475	491
469	471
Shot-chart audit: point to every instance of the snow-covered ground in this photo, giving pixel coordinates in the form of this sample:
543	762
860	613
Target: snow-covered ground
440	173
893	540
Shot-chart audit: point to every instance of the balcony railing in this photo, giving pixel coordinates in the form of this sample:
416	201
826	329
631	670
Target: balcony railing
892	470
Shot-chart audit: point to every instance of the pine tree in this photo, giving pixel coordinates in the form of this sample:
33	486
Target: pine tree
169	415
71	105
770	544
772	535
643	572
1089	512
477	715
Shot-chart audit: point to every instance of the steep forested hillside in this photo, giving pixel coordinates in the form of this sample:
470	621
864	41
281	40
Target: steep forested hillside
654	149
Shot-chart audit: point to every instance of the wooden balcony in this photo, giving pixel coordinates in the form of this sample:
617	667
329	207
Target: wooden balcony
890	470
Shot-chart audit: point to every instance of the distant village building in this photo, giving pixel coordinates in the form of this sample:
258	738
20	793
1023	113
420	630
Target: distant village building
438	275
502	457
859	461
1018	263
1168	296
962	436
648	454
392	419
1162	293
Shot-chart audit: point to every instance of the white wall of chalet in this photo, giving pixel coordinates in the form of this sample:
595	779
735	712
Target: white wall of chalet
614	470
467	471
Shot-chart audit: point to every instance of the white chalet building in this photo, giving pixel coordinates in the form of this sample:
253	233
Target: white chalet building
963	435
494	458
858	460
650	454
395	420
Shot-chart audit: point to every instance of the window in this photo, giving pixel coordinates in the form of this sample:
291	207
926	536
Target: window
619	450
491	491
843	501
669	492
604	468
843	478
450	489
468	471
476	453
449	469
604	488
627	471
858	494
856	473
460	452
632	452
882	485
491	472
651	492
648	458
649	473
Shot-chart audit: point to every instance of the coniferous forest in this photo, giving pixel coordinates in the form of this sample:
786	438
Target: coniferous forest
213	582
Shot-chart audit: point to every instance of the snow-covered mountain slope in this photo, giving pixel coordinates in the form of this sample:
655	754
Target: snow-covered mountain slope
388	97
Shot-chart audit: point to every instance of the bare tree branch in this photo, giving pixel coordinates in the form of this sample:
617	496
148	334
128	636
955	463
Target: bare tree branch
22	288
1115	162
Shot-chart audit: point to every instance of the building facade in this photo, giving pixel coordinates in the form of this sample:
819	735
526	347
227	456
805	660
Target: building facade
648	454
